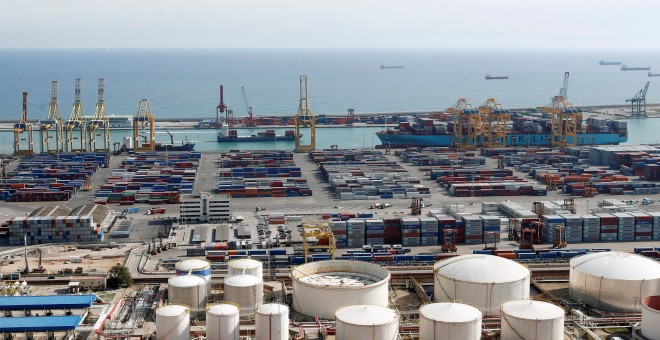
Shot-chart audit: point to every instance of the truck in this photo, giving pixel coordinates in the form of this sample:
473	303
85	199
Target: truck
154	211
130	211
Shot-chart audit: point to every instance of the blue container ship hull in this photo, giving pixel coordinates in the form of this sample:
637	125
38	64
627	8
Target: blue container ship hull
514	139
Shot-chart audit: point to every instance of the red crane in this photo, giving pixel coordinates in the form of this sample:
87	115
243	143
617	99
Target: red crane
222	108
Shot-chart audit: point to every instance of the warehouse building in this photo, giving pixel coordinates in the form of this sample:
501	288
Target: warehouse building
204	208
55	223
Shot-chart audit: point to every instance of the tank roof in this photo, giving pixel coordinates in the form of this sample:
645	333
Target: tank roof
532	310
192	264
340	279
244	263
450	312
340	273
242	280
617	265
273	309
172	310
481	269
223	309
185	281
366	315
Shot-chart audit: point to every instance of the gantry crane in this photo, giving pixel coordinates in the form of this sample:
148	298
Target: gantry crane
222	108
464	113
323	235
99	122
565	118
494	119
144	120
249	121
76	124
638	103
51	128
23	145
305	118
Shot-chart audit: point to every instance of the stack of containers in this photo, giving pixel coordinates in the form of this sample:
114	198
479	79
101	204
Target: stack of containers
474	230
573	228
656	225
410	231
339	231
448	222
590	228
643	226
355	231
375	231
549	223
491	223
609	227
392	231
626	226
429	231
48	229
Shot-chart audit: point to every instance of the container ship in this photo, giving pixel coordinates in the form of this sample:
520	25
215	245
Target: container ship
226	135
634	68
603	62
489	77
437	131
384	66
127	146
654	74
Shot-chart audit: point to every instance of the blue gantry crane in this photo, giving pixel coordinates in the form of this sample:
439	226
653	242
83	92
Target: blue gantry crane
638	103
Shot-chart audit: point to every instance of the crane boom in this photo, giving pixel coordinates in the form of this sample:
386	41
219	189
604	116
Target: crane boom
250	120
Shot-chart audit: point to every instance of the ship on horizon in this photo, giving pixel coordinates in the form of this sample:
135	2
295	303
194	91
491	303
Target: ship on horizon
654	74
603	62
634	68
489	77
384	66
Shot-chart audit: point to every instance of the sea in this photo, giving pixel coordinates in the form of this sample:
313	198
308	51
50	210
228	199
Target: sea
184	83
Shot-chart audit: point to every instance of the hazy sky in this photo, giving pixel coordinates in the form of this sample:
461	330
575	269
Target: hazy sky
593	24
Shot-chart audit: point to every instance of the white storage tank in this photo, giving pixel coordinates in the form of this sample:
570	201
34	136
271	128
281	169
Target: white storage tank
531	320
222	322
245	266
245	290
188	290
366	322
482	281
197	267
320	288
651	317
172	323
448	321
272	322
613	280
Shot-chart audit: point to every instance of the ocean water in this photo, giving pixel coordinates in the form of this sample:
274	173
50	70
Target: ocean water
184	83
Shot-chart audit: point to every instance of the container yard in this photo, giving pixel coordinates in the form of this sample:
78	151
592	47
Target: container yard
260	174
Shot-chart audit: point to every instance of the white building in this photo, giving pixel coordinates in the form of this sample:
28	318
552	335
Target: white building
204	207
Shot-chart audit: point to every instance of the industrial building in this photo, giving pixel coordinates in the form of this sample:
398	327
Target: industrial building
85	283
204	207
56	223
48	314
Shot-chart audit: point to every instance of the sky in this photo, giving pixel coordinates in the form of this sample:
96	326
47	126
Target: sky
505	24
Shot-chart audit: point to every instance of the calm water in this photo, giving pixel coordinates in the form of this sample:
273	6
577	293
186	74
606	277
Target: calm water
184	83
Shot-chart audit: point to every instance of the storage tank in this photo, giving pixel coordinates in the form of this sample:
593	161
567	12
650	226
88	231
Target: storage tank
532	320
320	288
189	290
222	322
245	266
195	267
448	321
245	290
172	322
366	322
651	317
272	322
613	280
482	281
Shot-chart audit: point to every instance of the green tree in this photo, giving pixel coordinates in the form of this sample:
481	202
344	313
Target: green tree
119	276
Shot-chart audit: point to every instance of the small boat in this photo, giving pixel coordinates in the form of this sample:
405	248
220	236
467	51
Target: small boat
489	77
603	62
634	68
654	74
383	66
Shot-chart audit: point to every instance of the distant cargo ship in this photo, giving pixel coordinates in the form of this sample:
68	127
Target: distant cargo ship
127	145
634	68
427	132
654	74
383	66
225	135
489	77
603	62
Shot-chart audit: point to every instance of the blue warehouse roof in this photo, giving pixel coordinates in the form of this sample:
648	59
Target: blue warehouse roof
46	302
39	323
